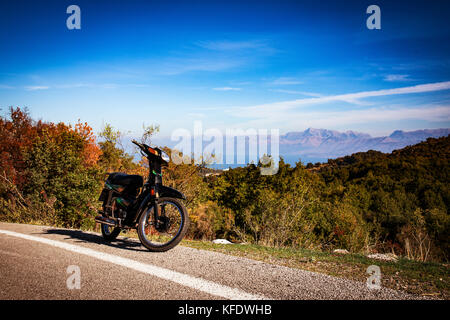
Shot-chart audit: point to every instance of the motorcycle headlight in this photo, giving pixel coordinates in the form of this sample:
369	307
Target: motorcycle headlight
165	156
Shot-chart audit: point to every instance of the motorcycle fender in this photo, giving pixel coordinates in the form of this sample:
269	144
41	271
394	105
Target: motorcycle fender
170	193
103	195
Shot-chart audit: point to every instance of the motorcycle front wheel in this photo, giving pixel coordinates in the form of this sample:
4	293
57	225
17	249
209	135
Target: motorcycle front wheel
168	229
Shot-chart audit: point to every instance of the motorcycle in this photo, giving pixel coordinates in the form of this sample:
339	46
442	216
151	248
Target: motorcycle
154	210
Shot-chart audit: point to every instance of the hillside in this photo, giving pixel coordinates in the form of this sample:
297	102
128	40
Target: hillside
369	201
407	186
432	151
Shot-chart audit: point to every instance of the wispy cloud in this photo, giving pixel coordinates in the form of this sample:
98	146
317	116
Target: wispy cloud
86	85
329	119
180	66
227	89
34	88
241	83
4	86
73	85
285	81
276	107
333	119
397	77
226	45
215	56
304	93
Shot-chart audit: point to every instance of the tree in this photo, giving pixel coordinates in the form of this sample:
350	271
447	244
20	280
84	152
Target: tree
113	158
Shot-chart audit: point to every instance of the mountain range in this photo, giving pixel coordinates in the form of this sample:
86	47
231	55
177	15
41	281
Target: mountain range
318	145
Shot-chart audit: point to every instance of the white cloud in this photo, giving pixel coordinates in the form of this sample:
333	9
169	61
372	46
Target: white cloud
285	81
304	93
271	109
226	45
329	119
178	66
227	89
348	118
73	85
34	88
397	77
100	85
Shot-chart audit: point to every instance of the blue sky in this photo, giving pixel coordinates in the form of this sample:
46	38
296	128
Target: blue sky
231	64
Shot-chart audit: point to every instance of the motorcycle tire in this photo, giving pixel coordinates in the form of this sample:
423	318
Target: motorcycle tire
144	225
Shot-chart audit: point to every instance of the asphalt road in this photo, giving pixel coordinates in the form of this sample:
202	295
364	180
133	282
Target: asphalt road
34	263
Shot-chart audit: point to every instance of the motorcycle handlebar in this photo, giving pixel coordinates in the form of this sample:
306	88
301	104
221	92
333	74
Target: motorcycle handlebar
147	149
138	144
151	152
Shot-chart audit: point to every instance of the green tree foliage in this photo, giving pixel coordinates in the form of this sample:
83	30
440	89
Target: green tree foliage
55	170
113	158
393	192
52	175
364	202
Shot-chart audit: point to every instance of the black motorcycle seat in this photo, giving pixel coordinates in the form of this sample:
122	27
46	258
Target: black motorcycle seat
129	180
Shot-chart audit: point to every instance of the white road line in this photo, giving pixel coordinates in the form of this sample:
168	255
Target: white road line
163	273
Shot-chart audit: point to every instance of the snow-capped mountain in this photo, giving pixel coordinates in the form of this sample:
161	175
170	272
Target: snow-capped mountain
323	144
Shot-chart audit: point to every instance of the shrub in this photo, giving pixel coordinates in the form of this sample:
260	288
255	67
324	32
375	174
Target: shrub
209	221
